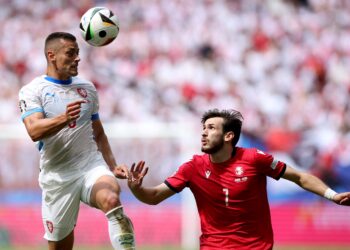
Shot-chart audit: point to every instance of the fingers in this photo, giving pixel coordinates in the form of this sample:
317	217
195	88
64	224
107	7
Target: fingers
145	172
137	172
345	201
139	167
73	110
124	171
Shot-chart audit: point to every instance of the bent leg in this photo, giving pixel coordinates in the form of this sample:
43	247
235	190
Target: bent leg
65	244
104	195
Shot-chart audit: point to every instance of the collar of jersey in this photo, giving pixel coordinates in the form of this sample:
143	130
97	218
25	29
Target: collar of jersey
54	80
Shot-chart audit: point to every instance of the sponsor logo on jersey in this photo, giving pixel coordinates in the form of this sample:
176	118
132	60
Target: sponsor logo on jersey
50	94
82	92
22	106
49	225
207	173
243	179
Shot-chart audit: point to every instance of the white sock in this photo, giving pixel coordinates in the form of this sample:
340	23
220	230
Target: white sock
121	231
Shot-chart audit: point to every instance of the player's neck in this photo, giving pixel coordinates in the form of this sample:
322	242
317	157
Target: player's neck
221	156
54	74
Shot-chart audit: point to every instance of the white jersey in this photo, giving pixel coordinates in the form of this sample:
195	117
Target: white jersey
71	150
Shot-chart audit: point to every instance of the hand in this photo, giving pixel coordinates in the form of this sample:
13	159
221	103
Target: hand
136	175
73	110
342	199
121	171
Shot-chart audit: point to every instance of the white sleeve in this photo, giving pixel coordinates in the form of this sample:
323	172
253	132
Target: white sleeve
29	101
95	101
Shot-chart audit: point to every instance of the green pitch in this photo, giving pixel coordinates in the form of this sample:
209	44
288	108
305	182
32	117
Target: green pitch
329	247
91	248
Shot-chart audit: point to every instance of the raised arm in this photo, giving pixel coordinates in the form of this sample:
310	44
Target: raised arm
313	184
39	127
149	195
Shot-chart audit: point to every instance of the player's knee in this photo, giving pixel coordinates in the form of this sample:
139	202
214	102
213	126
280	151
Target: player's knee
111	201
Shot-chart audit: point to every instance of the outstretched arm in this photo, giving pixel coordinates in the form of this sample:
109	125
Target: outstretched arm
120	171
313	184
149	195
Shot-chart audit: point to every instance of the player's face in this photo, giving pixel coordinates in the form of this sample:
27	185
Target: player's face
67	59
212	135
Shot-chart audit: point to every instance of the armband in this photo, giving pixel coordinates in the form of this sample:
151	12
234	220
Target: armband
329	194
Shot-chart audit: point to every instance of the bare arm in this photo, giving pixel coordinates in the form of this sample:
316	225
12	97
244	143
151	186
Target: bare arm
105	148
39	127
313	184
149	195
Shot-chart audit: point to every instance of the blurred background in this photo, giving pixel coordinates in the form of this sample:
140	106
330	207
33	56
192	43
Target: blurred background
285	64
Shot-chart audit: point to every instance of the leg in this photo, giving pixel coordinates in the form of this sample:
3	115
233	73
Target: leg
65	244
60	207
105	196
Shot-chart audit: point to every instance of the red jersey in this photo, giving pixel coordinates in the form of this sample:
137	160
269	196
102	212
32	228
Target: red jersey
231	198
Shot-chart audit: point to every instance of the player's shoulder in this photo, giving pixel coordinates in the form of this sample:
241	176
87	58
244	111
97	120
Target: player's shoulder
200	158
249	153
33	84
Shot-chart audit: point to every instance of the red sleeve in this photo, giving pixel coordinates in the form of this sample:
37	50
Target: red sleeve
268	165
180	179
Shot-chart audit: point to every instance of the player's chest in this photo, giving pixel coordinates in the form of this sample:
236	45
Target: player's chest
238	180
55	100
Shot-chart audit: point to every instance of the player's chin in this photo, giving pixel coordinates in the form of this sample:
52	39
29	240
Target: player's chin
205	149
73	70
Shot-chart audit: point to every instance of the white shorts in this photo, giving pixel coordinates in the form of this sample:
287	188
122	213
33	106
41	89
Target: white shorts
60	204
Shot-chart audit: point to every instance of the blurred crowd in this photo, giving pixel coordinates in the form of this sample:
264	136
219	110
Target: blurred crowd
284	64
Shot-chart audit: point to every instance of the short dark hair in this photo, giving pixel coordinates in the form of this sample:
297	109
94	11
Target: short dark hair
233	121
58	35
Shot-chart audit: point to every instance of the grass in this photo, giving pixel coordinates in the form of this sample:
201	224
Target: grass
323	247
92	248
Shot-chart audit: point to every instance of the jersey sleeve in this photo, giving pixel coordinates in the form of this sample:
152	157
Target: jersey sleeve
268	165
29	101
181	178
96	104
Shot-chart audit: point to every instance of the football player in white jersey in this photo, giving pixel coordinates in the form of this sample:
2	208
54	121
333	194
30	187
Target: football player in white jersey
60	113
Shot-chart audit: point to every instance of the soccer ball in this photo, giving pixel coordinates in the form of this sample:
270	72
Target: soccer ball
99	26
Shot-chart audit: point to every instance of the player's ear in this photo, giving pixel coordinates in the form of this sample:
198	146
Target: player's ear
51	57
229	136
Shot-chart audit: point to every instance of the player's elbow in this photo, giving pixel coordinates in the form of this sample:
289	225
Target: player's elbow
151	200
34	136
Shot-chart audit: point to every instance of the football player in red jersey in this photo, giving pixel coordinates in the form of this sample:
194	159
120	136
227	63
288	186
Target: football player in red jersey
229	186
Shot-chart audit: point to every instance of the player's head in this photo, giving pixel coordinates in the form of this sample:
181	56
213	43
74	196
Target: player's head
220	127
62	54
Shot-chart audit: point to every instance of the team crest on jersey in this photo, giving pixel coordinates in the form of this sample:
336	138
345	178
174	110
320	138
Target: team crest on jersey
49	225
22	106
239	170
82	92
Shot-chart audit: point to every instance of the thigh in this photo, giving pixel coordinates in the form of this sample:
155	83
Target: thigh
98	181
60	207
65	244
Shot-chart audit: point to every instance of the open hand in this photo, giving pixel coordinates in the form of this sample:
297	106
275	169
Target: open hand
137	173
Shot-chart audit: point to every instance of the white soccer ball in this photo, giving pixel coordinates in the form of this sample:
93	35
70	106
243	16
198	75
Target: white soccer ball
99	26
